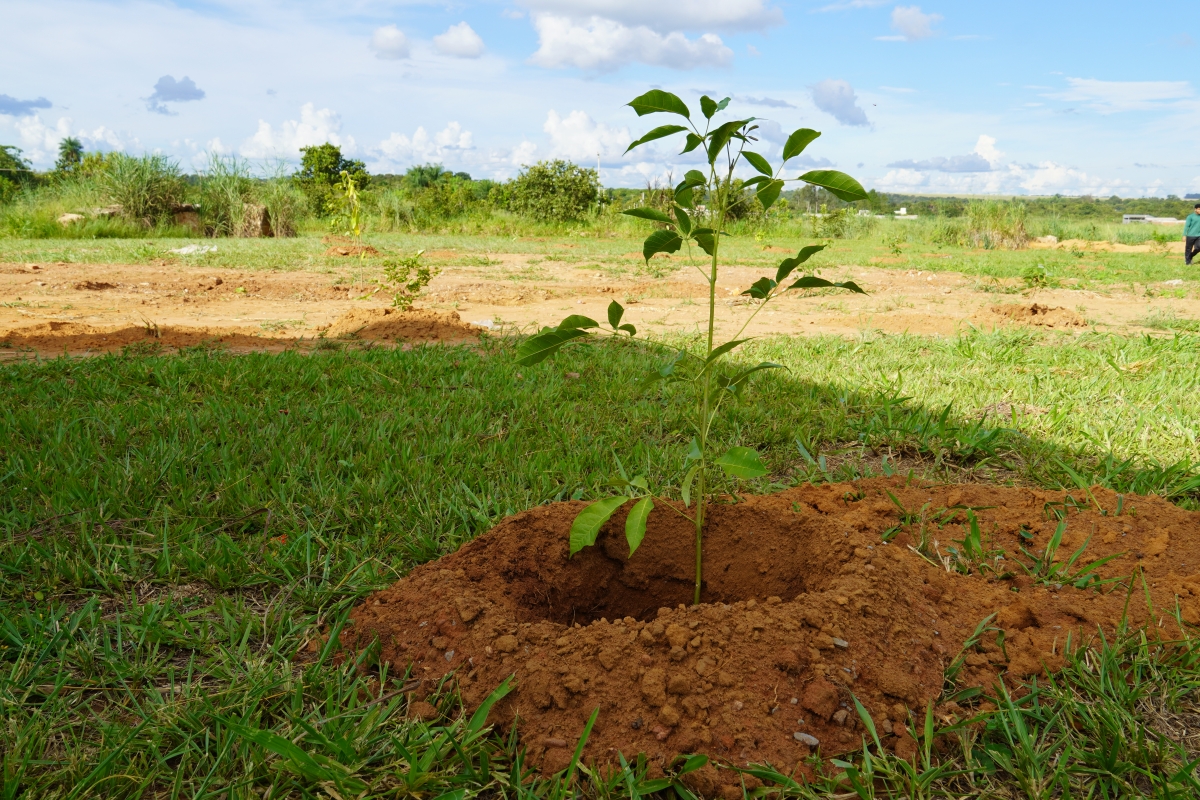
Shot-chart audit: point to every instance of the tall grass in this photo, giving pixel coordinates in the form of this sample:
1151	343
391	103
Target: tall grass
145	187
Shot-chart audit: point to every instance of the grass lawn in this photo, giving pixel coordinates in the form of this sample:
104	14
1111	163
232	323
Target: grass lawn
176	530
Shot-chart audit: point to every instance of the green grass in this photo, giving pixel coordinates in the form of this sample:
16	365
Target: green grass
177	528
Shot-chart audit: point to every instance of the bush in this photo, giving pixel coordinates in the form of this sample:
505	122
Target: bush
146	188
555	191
320	175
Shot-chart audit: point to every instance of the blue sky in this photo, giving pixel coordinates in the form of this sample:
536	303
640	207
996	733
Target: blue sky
931	96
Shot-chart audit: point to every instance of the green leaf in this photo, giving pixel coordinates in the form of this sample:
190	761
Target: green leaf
577	321
742	462
839	183
740	378
694	453
758	162
661	242
706	238
695	177
632	331
635	523
658	133
537	349
683	221
761	288
788	264
757	180
683	195
649	213
692	763
811	282
799	140
693	141
656	100
686	490
708	106
615	312
721	136
586	526
721	350
768	193
479	718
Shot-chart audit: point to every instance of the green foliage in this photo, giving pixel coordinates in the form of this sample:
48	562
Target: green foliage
320	176
226	186
146	187
70	155
554	191
711	380
407	277
15	172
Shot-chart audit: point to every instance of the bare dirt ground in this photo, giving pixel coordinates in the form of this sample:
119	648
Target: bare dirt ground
55	307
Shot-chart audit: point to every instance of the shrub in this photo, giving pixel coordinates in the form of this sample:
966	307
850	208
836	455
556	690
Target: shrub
320	175
146	188
555	191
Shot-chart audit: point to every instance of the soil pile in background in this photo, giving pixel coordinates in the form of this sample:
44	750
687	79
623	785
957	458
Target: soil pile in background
804	604
390	324
376	324
1044	316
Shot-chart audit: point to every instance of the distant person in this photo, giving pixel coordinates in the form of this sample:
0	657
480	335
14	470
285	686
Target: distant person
1191	235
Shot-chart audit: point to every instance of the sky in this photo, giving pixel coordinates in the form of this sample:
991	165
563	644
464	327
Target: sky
938	96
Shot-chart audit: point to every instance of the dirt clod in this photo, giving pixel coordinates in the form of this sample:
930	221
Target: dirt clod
1044	316
601	630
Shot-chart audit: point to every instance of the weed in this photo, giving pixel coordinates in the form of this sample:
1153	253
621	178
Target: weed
1046	571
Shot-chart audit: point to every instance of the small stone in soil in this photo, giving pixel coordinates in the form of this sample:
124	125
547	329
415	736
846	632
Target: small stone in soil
804	738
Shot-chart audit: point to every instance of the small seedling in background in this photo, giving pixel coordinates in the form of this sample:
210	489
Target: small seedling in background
691	227
407	276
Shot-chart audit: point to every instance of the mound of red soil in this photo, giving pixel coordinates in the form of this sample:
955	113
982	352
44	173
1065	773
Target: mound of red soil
352	250
804	607
78	337
1037	314
392	324
377	324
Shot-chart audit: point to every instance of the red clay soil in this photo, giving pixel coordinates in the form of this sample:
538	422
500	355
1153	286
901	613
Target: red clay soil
1043	316
373	324
804	605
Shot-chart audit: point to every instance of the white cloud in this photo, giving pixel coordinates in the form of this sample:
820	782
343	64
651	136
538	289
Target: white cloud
577	137
694	15
598	44
314	127
1044	178
39	141
460	41
1109	97
911	24
523	154
838	99
389	43
448	144
986	148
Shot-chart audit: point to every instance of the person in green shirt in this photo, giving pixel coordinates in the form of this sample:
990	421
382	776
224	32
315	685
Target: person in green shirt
1191	235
